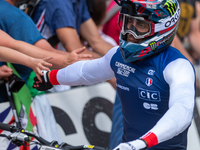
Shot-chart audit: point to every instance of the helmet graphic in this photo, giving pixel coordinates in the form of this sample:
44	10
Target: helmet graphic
147	27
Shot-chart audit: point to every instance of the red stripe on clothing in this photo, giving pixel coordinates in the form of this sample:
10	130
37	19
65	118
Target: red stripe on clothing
32	118
40	22
151	139
12	120
53	77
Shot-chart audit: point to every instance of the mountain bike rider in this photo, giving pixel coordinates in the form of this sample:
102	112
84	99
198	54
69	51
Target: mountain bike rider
155	82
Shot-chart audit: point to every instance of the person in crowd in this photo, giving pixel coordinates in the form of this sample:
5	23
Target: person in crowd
156	91
110	26
98	13
13	56
194	33
21	27
59	60
67	21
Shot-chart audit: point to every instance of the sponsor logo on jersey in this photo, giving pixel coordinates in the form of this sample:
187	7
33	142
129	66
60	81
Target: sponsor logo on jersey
149	95
149	81
123	87
150	106
123	69
151	72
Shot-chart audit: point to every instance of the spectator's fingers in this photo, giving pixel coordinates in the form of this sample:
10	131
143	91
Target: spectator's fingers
47	59
46	64
5	68
38	77
79	50
5	73
85	56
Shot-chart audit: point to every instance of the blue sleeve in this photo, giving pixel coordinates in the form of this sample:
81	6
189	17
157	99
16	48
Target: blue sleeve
65	13
60	14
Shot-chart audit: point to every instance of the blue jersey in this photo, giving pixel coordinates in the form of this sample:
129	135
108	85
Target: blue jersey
157	94
143	90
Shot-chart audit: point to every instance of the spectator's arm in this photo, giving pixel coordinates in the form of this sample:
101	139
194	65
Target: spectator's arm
71	41
10	55
89	32
178	45
194	34
58	61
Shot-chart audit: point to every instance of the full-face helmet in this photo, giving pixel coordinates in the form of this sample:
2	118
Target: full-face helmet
147	27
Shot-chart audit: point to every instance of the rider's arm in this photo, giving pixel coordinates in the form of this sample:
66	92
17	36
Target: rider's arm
180	76
85	72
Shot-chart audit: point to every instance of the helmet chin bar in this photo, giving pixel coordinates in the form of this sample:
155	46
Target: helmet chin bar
124	37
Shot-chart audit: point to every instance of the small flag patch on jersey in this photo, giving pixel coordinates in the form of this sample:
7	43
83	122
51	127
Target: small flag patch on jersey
149	81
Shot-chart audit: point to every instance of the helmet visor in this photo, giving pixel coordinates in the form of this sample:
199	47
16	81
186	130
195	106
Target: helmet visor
137	26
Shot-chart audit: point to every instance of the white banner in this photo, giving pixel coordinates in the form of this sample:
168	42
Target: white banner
84	113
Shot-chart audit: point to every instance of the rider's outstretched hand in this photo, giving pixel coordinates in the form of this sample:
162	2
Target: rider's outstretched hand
45	84
134	145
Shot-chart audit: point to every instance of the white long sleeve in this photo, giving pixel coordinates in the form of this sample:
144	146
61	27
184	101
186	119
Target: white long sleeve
87	72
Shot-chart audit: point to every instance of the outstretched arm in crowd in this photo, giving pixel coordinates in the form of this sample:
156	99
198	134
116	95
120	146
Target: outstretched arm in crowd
10	55
60	60
90	33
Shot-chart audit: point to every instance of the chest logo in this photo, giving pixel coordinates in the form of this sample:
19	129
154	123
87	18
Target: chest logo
149	81
123	69
151	72
149	95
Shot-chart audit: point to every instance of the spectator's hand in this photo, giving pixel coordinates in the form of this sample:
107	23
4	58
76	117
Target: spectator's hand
45	84
75	56
40	64
134	145
5	72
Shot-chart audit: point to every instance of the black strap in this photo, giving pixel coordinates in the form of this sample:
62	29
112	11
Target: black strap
11	101
53	40
90	4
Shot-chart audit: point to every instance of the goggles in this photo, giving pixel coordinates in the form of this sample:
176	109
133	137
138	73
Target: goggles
137	26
